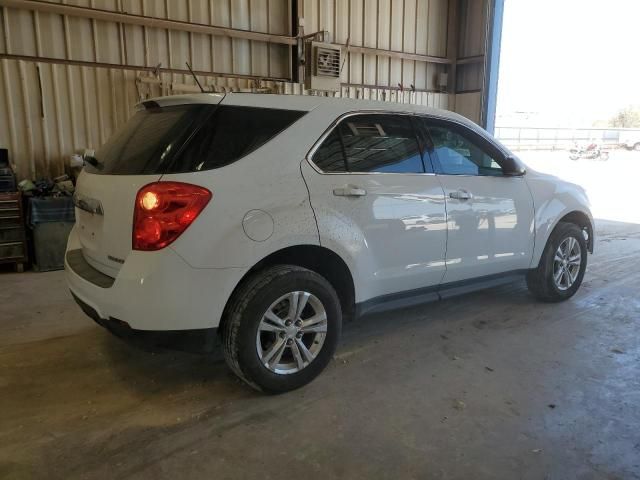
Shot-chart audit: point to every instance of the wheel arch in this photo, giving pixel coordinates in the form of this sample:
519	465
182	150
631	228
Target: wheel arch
575	216
319	259
583	221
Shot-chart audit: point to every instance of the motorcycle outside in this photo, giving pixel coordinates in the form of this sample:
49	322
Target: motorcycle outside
592	151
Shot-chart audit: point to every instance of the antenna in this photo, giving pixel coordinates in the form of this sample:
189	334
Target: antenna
345	55
194	77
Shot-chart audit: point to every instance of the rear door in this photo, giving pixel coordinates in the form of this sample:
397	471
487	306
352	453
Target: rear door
489	215
375	199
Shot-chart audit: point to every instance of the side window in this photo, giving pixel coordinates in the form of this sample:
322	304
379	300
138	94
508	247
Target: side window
455	154
381	143
372	143
330	157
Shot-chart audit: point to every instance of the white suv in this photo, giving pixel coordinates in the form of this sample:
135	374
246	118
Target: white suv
270	218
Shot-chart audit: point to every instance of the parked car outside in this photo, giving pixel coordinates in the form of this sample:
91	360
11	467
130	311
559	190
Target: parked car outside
270	219
630	139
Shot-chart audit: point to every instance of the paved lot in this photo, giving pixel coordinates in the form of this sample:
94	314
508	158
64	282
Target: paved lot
612	185
490	385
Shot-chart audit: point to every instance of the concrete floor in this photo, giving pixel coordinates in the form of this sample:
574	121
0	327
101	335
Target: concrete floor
490	385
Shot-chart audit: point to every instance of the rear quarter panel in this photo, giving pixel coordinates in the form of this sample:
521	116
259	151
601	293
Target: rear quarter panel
268	180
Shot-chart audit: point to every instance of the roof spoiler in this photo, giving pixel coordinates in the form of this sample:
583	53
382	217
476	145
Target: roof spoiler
169	101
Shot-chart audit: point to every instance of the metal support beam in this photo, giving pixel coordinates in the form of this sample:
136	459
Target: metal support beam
453	26
470	60
298	50
136	68
492	65
395	54
390	88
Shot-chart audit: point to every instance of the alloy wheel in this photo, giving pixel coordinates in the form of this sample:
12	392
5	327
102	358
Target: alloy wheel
566	263
291	332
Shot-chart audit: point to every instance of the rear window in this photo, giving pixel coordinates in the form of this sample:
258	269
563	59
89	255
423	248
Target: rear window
146	143
188	138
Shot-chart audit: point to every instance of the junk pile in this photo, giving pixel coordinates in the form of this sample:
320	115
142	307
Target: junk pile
61	186
49	214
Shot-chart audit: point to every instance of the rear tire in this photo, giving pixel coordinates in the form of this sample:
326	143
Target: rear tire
273	346
636	147
558	276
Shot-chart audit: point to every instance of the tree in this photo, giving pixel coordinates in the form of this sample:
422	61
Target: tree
626	118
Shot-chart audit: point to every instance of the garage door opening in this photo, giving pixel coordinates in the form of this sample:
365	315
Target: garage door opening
568	98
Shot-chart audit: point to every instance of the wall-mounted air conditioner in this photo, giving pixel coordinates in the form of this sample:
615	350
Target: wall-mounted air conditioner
323	66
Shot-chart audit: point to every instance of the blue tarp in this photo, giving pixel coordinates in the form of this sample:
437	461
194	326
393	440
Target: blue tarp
51	209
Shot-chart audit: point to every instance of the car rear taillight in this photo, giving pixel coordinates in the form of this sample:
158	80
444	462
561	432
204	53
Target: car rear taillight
163	211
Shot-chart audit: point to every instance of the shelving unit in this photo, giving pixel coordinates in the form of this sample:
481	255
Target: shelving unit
13	240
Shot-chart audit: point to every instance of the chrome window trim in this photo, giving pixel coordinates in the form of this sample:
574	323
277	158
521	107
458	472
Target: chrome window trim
317	169
517	177
333	125
308	157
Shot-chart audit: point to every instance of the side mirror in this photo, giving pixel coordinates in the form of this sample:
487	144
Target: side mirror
512	167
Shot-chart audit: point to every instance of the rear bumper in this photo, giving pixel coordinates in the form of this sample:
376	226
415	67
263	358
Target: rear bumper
153	291
200	340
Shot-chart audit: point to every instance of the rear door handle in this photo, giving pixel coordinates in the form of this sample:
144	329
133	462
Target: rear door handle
349	191
460	195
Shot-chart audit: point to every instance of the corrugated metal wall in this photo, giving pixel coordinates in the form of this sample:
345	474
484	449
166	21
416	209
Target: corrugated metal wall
83	39
68	81
411	26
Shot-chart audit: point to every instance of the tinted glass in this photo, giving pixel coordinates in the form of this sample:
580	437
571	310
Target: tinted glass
372	143
425	144
329	157
162	140
381	143
145	144
229	134
455	154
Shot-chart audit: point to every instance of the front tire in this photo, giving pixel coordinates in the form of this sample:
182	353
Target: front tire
281	328
562	265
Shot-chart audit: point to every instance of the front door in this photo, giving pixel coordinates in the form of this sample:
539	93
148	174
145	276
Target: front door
378	205
490	215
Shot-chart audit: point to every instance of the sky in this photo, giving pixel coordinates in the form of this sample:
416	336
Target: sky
572	61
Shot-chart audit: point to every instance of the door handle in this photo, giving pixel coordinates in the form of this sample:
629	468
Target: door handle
349	191
460	195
